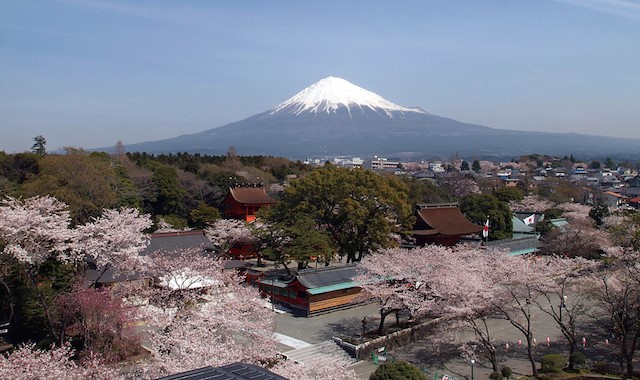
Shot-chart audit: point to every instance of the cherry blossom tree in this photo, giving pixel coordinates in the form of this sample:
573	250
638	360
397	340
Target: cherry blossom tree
576	213
515	294
531	203
616	291
200	315
99	323
398	278
165	227
522	280
115	238
459	186
35	228
471	292
460	284
464	283
565	276
624	230
29	363
224	233
576	239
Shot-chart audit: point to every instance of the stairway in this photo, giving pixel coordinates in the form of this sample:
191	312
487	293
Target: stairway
327	348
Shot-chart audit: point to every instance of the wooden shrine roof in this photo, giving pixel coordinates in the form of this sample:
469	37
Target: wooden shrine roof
251	195
445	220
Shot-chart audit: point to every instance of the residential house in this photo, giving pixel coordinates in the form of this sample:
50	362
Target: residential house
612	200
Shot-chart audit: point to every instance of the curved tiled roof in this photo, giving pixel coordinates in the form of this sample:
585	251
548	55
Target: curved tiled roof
255	195
447	220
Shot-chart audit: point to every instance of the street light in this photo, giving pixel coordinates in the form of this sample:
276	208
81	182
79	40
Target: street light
563	304
472	363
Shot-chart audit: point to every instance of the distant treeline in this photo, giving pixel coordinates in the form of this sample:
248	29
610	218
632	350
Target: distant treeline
184	189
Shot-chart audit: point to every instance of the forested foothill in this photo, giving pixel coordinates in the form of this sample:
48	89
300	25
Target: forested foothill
57	209
181	188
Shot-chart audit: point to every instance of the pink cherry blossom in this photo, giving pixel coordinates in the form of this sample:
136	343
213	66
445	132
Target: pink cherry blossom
224	233
34	228
116	237
200	315
531	203
29	363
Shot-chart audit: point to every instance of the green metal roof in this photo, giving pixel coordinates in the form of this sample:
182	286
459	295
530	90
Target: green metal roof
330	288
559	222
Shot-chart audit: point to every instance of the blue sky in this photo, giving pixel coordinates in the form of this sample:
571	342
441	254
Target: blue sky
88	73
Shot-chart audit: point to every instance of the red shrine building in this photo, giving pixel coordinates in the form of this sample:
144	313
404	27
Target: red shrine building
243	202
442	224
310	291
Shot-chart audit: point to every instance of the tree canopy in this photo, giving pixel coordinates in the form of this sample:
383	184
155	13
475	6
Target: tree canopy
479	207
359	209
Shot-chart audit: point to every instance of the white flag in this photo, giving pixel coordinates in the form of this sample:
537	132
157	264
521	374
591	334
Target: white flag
530	219
485	230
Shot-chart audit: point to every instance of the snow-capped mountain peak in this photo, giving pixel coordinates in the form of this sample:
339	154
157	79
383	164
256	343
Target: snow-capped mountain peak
331	93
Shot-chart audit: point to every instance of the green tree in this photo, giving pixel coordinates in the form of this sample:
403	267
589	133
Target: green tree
85	182
203	215
464	166
39	145
169	196
296	240
19	167
598	213
125	189
610	163
424	191
480	206
509	194
399	370
595	165
475	166
359	209
30	322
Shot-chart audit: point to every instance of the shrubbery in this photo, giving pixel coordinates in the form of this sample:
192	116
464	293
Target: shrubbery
553	363
398	371
504	373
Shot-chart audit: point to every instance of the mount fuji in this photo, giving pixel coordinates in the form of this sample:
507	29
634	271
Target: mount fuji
336	117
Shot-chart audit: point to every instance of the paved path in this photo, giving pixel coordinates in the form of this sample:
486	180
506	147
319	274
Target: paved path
445	358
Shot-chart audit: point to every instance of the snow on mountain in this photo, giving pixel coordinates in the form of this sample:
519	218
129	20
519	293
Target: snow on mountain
331	93
335	117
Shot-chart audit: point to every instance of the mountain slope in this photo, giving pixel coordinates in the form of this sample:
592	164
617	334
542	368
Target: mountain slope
335	117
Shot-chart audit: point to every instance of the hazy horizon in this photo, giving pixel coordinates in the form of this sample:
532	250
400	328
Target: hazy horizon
88	73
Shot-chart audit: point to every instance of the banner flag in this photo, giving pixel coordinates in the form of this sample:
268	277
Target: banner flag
530	219
485	230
